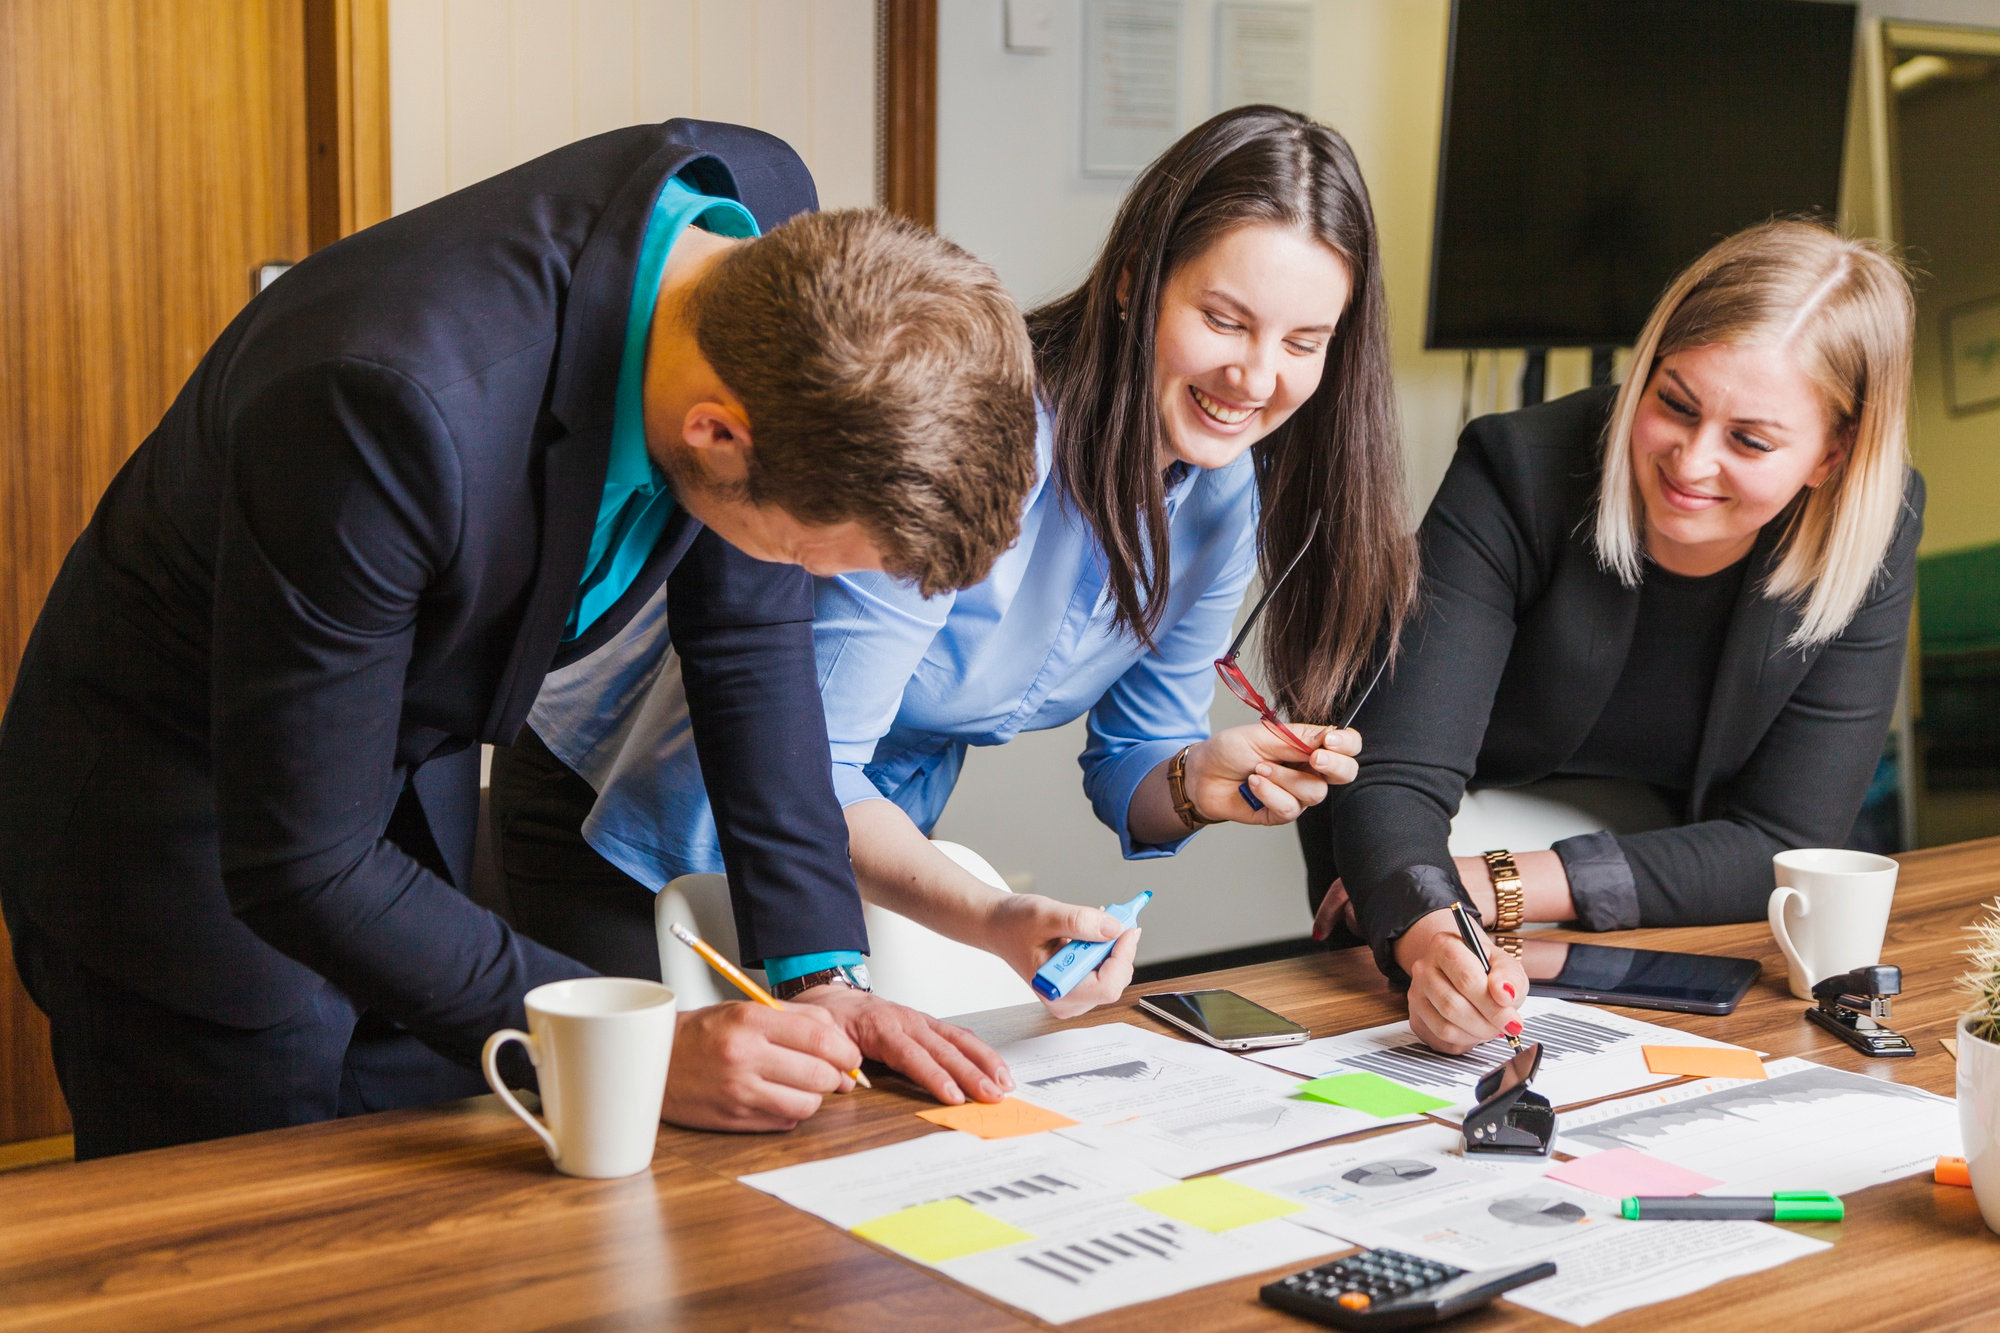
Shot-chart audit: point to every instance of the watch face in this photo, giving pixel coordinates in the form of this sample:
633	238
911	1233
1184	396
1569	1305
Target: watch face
858	974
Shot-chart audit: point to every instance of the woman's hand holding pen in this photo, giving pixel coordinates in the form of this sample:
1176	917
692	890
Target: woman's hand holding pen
1286	781
1454	1004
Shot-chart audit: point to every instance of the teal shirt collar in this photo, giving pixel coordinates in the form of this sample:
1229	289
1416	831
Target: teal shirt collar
637	501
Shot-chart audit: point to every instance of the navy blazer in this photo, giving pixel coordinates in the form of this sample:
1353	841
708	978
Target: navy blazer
240	757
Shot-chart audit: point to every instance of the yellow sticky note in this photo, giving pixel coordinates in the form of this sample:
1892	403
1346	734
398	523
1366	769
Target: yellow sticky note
931	1233
1005	1119
1704	1061
1215	1204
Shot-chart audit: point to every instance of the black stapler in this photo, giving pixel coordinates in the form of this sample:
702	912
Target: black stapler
1508	1117
1851	1005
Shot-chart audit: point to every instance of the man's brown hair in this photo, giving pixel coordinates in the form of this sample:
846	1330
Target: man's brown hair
888	382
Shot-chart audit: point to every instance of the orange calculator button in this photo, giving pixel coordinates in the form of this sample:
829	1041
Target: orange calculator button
1354	1300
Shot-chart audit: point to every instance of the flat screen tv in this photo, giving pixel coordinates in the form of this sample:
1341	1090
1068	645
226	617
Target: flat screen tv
1592	148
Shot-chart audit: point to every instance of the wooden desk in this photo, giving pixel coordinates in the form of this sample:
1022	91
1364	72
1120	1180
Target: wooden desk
452	1217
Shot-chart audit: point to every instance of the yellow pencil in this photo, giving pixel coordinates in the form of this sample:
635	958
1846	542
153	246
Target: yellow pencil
740	979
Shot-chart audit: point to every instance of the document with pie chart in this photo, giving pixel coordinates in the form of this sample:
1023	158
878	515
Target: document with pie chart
1418	1192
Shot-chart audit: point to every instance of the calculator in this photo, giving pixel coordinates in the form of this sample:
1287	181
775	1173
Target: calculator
1390	1289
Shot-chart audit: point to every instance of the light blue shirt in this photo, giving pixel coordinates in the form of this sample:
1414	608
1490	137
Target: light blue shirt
635	506
909	683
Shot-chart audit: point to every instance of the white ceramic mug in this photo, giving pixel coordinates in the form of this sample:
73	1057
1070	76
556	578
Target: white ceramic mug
1830	911
600	1047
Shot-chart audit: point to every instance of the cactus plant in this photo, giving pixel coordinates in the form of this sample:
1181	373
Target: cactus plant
1981	983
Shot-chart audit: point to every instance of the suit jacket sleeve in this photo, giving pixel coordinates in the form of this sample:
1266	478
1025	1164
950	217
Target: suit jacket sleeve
1804	783
342	501
1386	834
744	631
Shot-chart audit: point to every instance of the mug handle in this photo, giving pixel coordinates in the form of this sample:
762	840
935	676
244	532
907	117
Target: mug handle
489	1059
1781	898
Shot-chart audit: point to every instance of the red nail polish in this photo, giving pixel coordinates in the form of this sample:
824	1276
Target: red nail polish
1509	989
1513	1029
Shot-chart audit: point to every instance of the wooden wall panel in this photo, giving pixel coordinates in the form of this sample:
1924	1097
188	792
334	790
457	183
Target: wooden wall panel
482	85
151	153
909	109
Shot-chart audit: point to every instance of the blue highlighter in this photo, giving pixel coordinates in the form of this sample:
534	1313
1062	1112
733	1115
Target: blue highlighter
1079	958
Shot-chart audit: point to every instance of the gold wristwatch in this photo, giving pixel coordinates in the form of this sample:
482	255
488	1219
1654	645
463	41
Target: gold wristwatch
1509	902
1191	818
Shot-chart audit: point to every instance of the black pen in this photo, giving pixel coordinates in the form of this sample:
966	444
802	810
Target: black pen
1470	934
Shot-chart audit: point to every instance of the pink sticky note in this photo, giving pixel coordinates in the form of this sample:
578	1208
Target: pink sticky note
1618	1173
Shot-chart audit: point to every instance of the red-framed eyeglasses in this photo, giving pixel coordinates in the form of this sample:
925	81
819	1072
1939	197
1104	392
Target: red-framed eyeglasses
1232	674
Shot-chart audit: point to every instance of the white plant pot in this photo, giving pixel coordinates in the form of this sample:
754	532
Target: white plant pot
1979	1119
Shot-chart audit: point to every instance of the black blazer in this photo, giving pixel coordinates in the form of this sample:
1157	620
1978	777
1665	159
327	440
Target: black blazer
1518	643
240	759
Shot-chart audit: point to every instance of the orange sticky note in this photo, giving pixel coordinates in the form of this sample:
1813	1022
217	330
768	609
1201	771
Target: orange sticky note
1704	1061
1004	1119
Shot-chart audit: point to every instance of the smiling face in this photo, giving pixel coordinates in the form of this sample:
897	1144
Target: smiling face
1724	439
1242	338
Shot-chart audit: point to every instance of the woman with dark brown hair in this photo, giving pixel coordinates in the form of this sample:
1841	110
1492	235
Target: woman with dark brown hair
1237	302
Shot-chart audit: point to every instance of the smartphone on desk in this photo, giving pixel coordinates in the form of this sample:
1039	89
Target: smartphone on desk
1223	1018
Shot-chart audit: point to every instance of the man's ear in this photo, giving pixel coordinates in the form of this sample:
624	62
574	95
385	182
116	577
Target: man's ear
719	435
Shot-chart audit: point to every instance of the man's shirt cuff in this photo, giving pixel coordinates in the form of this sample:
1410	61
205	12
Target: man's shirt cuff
780	970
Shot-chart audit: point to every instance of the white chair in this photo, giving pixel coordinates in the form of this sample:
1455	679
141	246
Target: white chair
907	963
1535	817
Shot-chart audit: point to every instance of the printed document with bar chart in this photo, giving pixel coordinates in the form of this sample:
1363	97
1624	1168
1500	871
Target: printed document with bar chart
1586	1054
1047	1225
1176	1106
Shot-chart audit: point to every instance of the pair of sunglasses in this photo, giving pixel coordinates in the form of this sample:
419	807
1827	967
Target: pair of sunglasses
1240	686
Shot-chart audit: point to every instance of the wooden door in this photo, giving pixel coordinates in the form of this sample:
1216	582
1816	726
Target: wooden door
152	154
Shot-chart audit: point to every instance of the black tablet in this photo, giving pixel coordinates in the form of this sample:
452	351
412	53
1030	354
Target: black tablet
1689	983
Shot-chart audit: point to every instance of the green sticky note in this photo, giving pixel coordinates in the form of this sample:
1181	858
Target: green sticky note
1372	1093
931	1233
1215	1204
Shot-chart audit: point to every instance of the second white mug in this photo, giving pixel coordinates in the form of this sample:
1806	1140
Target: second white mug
1830	911
601	1046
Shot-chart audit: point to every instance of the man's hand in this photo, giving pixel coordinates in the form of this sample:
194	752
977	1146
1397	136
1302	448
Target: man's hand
745	1067
1280	777
1027	929
1453	1005
947	1062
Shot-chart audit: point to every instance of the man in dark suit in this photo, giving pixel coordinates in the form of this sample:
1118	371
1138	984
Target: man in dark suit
238	771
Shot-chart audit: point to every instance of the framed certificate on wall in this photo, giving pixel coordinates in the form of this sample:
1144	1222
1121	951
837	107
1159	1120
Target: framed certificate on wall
1972	357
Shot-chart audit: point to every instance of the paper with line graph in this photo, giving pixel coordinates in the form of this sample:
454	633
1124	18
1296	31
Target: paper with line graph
1176	1106
1586	1054
1040	1223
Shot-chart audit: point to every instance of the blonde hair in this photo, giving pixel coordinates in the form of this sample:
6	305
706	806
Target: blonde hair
1844	308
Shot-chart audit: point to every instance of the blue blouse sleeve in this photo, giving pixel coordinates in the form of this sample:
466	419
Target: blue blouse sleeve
870	632
1161	702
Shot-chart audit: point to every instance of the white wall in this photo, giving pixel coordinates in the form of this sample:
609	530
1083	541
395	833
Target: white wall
478	86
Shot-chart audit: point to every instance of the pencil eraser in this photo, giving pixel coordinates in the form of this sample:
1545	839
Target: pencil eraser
1952	1171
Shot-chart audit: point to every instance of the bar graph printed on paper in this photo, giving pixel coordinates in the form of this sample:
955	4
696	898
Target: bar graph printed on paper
1031	1187
1562	1037
1079	1262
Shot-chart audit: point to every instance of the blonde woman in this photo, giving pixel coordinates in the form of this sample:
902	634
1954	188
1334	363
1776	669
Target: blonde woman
1700	580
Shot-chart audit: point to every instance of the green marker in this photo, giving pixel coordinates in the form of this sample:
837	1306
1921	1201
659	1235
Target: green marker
1784	1206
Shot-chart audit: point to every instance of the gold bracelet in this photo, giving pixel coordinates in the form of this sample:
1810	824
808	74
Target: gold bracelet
1510	903
1191	818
